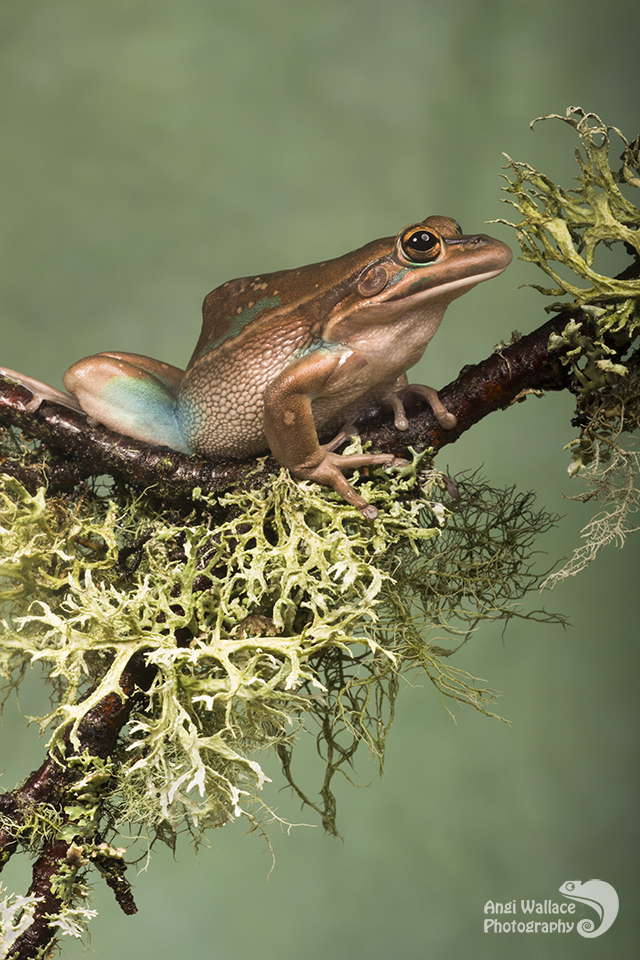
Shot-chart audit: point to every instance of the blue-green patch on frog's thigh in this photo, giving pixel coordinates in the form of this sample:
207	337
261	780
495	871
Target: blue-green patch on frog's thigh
147	406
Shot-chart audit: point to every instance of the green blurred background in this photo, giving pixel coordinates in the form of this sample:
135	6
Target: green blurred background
152	150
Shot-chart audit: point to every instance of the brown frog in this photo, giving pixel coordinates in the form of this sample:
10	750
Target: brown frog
286	356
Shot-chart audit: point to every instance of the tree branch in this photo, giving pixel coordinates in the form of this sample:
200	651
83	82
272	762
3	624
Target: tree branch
493	384
52	784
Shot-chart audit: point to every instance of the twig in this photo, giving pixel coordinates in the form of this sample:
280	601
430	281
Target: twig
51	784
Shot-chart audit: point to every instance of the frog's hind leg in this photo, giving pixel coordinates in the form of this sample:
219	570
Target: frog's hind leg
167	374
41	391
130	394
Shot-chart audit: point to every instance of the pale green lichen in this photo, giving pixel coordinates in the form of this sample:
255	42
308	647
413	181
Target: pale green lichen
560	231
566	226
16	916
73	921
263	612
84	812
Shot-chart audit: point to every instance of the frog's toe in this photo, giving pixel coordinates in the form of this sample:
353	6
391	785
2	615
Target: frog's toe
351	461
445	418
41	391
400	419
347	432
329	473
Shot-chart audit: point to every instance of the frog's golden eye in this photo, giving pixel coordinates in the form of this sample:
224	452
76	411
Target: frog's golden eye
420	246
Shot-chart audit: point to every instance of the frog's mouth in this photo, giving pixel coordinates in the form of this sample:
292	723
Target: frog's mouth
395	306
442	289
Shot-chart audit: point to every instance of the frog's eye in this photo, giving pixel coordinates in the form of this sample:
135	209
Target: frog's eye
420	246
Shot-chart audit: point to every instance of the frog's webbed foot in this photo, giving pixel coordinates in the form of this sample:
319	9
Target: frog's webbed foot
329	472
446	419
41	392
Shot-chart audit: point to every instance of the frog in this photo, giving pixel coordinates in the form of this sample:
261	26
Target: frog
286	359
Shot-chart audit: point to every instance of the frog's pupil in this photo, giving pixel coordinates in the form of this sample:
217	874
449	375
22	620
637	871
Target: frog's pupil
422	241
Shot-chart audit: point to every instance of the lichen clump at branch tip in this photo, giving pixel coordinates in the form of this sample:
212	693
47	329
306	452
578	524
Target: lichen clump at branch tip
566	226
261	613
560	232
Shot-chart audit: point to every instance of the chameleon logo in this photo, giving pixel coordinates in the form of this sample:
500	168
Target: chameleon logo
598	895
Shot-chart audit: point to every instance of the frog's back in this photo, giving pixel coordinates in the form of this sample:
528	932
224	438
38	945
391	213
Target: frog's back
243	309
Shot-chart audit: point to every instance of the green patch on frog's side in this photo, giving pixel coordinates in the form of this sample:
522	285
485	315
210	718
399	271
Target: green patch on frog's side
563	229
240	321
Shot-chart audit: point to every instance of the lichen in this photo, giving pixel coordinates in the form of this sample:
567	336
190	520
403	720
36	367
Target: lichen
16	916
566	226
560	232
264	612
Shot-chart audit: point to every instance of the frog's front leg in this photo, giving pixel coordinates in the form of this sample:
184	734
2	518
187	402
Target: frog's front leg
131	394
291	432
404	389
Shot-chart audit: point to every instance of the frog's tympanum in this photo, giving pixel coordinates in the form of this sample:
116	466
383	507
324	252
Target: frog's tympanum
287	356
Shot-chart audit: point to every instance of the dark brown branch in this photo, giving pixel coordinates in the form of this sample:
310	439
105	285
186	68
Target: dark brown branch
52	784
94	451
91	451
